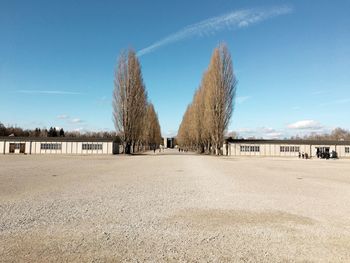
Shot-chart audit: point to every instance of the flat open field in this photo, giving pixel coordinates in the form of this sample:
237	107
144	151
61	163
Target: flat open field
173	207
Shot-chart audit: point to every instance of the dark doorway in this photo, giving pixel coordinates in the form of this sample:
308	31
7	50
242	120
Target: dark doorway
323	152
116	148
22	147
12	147
17	146
170	143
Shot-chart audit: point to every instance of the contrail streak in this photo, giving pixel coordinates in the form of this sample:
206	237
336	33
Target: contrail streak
232	20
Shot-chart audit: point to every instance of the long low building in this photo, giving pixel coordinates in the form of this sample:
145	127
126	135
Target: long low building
285	148
57	145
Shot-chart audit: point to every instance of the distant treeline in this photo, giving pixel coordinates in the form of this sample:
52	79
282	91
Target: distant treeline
338	134
52	132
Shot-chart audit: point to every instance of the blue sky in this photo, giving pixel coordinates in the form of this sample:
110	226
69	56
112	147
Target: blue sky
291	58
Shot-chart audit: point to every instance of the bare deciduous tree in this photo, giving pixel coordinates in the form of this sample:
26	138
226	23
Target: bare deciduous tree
129	100
220	95
152	132
207	117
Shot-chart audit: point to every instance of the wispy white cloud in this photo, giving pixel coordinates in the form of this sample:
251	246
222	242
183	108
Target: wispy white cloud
70	120
242	99
49	92
260	132
296	129
103	101
233	20
269	133
80	129
305	125
76	120
62	117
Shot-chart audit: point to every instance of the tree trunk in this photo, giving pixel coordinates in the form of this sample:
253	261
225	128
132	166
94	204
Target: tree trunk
127	148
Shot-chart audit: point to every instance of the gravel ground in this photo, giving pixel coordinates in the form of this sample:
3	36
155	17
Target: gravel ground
173	207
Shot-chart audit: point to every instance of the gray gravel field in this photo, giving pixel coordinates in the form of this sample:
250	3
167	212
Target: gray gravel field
173	207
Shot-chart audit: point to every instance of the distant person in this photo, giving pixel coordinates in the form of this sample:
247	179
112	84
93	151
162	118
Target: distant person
299	155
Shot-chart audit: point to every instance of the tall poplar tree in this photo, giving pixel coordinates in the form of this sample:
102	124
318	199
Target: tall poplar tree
206	119
129	100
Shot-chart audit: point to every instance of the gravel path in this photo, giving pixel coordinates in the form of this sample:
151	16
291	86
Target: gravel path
173	207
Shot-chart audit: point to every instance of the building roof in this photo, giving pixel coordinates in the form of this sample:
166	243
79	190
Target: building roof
55	139
308	142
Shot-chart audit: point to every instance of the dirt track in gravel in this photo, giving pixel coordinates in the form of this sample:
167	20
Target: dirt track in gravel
173	207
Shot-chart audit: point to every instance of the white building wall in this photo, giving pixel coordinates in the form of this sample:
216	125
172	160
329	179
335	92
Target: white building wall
234	149
267	150
67	147
7	147
109	148
341	151
38	148
33	149
105	148
275	150
42	151
347	155
2	147
64	148
27	150
74	147
79	148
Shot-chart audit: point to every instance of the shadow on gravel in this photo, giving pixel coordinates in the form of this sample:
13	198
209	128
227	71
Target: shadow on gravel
220	218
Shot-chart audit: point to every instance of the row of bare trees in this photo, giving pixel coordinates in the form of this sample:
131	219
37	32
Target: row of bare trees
337	134
135	119
207	117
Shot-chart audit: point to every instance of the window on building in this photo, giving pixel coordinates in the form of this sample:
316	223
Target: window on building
347	149
91	146
50	146
289	149
250	148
